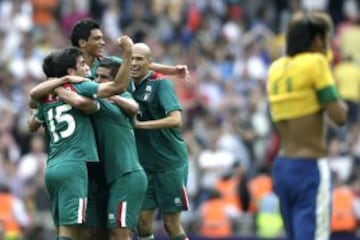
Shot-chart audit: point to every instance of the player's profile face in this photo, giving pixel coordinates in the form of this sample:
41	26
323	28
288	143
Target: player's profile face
103	75
95	43
82	69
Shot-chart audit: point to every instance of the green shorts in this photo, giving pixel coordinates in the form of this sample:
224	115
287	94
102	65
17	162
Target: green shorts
166	190
67	185
96	212
126	195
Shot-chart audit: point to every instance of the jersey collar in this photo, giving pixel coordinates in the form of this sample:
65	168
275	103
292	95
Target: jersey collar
146	77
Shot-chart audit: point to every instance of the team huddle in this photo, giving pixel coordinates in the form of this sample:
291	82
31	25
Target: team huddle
116	153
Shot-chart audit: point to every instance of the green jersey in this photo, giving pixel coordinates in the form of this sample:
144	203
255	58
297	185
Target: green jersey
158	149
70	131
115	140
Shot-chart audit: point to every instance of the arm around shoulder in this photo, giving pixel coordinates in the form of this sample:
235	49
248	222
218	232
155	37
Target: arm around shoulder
128	105
82	103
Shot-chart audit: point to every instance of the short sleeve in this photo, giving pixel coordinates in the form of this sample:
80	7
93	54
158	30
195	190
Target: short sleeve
324	80
39	115
167	96
115	59
87	89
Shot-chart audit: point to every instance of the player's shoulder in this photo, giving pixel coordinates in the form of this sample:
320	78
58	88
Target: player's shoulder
279	61
156	78
312	57
113	58
277	64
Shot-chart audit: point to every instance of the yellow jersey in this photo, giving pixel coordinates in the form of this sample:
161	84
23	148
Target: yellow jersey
298	86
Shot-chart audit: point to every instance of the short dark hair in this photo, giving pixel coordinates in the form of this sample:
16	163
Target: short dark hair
302	30
49	65
67	59
110	64
82	30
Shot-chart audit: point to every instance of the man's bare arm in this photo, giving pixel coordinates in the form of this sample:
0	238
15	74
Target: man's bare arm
82	103
128	105
122	77
172	120
46	87
178	70
337	112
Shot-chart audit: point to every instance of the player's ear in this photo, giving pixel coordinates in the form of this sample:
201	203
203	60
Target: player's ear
70	71
318	43
82	43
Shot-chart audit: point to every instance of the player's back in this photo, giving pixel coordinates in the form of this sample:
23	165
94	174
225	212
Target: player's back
115	140
297	86
69	130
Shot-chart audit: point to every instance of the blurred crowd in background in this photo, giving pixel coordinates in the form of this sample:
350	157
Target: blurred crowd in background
227	46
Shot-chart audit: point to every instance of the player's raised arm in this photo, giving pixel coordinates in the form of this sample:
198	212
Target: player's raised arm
122	77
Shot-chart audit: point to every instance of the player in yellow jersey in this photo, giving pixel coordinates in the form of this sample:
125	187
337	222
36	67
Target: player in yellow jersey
302	96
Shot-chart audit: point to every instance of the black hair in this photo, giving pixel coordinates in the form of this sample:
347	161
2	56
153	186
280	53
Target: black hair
66	59
303	29
49	65
82	30
110	64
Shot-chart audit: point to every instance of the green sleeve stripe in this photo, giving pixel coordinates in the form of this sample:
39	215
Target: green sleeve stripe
328	94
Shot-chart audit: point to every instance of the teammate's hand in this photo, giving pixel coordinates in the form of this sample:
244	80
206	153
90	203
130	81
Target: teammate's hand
125	43
136	122
182	72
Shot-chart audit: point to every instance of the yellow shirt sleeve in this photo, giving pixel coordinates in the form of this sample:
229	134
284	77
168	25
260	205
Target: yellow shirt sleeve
323	80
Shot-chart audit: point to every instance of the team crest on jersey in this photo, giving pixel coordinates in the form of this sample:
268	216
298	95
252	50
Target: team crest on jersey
148	88
111	217
177	202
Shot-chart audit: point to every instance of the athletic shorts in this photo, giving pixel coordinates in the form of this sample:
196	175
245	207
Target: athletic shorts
304	190
96	213
166	190
126	195
67	185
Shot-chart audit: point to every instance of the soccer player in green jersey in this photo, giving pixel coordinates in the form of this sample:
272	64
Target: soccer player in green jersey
66	128
162	150
71	62
125	177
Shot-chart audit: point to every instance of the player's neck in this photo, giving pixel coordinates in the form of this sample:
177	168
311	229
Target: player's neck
89	59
